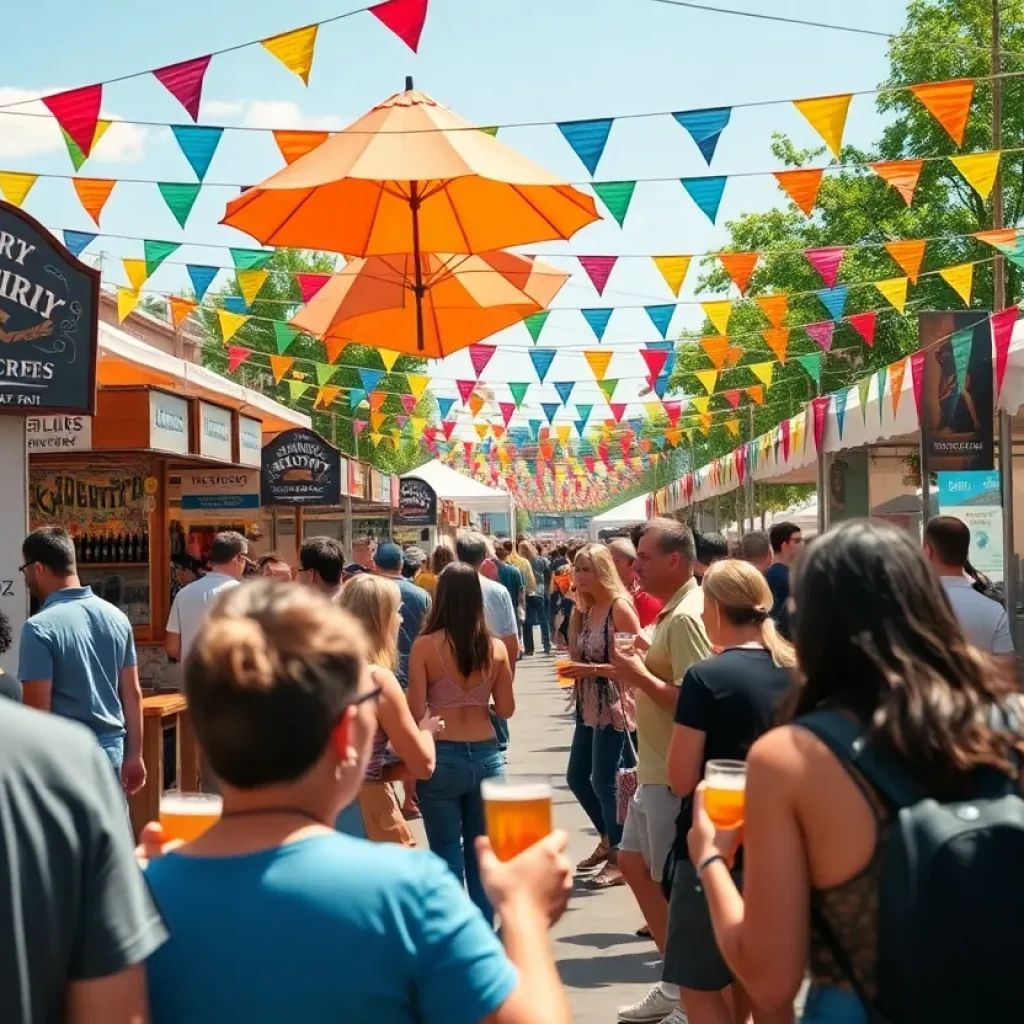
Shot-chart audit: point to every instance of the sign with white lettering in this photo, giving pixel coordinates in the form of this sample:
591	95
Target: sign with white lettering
49	304
214	432
58	433
168	423
217	491
417	503
300	468
250	441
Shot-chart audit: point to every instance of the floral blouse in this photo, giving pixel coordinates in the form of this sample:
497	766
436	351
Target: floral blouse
599	701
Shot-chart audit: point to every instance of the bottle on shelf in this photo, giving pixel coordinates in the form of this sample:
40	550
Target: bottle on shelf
144	548
87	549
119	555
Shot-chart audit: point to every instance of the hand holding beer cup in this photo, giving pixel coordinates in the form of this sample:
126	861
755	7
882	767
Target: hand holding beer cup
718	811
541	876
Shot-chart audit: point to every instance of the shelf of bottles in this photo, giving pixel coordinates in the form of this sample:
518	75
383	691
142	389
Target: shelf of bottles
109	550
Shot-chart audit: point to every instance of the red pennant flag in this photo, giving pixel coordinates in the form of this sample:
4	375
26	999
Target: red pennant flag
785	424
310	284
507	410
864	325
590	462
618	410
625	443
655	361
820	407
184	82
465	389
598	269
732	397
447	426
409	403
480	356
1002	333
77	112
404	17
917	378
826	263
672	411
467	450
739	460
236	356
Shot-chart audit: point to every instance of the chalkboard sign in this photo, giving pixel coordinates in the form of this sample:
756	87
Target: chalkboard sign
417	503
300	468
49	304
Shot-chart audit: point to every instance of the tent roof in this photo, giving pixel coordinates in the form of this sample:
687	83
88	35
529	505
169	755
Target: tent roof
632	511
466	492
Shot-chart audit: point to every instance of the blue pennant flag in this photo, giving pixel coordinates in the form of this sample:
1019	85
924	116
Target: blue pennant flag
564	389
76	241
356	397
444	406
371	378
535	426
598	320
550	409
840	399
584	411
661	385
201	277
520	435
198	143
661	317
587	139
542	358
236	304
834	300
636	425
706	193
580	425
705	127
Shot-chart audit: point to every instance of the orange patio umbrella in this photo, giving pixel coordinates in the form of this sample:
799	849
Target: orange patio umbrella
465	299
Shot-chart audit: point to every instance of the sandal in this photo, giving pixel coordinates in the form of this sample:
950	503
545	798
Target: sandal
608	877
643	932
599	856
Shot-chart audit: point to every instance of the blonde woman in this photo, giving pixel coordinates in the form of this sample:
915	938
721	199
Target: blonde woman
725	704
374	601
604	711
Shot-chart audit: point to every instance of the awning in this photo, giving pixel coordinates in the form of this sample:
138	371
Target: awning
468	494
125	361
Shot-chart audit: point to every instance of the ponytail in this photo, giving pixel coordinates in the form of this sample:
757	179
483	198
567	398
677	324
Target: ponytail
781	650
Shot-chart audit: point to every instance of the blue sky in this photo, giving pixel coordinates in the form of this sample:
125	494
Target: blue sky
531	60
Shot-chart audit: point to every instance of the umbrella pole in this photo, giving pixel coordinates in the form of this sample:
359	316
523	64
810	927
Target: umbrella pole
414	205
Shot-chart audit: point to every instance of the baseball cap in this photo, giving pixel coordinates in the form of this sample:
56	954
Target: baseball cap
388	556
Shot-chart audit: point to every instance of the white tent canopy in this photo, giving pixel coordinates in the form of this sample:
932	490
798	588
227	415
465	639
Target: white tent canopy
627	514
467	493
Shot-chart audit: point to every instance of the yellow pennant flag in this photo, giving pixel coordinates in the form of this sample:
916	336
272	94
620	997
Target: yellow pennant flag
562	432
896	374
717	348
673	436
673	269
418	423
127	300
827	116
230	323
279	366
894	291
417	384
250	282
763	372
136	271
700	403
961	279
16	185
180	309
294	50
388	358
481	430
718	313
653	409
708	379
979	169
598	362
908	255
774	307
705	424
733	426
376	438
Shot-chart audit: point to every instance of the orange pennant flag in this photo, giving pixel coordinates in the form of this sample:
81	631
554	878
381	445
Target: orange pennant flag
180	309
778	341
774	307
705	423
827	116
717	348
801	186
718	313
280	365
598	362
755	394
733	426
901	175
294	50
295	144
325	395
908	255
673	269
997	236
896	374
377	420
979	169
93	194
739	266
949	103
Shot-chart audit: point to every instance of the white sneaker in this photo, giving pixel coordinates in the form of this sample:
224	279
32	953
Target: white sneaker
677	1016
652	1009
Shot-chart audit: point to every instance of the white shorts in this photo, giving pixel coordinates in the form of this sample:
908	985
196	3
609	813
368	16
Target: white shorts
650	827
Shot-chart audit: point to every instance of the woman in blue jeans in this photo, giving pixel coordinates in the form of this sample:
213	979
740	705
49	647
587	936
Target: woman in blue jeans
459	671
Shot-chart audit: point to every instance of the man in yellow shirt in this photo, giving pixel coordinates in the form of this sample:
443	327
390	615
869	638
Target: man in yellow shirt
522	565
664	565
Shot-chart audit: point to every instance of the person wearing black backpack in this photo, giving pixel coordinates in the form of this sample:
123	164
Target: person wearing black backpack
884	824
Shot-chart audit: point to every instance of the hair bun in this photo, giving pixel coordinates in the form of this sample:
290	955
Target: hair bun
238	647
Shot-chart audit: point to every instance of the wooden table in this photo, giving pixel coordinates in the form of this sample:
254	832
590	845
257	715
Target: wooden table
158	712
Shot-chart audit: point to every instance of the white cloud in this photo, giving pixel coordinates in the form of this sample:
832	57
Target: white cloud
270	114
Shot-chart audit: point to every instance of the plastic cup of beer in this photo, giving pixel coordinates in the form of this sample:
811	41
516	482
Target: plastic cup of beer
624	642
517	813
560	667
186	816
725	784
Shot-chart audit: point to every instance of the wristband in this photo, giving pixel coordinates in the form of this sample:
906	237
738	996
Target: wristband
707	861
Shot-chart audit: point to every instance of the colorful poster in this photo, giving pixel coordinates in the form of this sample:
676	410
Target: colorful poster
976	499
87	500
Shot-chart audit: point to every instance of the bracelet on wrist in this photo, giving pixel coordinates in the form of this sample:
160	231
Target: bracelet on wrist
707	861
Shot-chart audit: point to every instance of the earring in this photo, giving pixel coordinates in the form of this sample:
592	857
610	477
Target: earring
339	771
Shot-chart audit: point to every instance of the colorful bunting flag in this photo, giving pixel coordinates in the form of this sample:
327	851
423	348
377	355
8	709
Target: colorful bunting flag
78	112
894	291
370	379
706	193
155	252
78	158
598	362
507	410
701	403
535	324
897	371
127	300
608	387
180	197
827	116
184	82
237	355
480	356
294	50
755	394
979	170
201	277
387	358
901	175
236	304
908	254
661	317
961	279
655	360
249	283
1002	333
812	365
518	393
763	372
417	384
917	379
774	307
739	266
705	127
76	241
444	406
718	313
834	300
295	144
717	348
198	143
826	262
880	380
230	324
16	185
673	270
949	103
564	389
542	358
864	325
93	194
616	196
404	17
598	269
778	341
708	379
587	139
821	333
863	390
250	259
801	186
598	320
181	309
296	389
136	272
550	410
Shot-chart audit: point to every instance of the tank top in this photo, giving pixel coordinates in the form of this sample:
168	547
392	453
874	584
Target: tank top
445	692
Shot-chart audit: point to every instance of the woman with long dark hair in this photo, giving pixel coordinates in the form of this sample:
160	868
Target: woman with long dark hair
458	670
877	642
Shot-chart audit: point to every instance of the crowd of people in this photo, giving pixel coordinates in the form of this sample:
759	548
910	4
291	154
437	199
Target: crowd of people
863	686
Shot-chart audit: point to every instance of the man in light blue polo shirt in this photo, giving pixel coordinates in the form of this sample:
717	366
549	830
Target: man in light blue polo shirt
77	656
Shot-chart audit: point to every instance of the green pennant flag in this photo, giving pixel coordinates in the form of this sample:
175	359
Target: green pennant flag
156	252
863	390
296	388
324	372
608	387
74	151
616	195
250	259
880	377
284	335
961	343
535	324
812	364
518	393
180	197
491	130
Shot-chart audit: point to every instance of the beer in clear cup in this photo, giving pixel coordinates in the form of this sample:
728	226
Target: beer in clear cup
186	816
517	813
563	680
725	784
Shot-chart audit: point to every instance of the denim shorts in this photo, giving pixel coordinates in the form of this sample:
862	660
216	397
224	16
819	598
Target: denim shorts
828	1005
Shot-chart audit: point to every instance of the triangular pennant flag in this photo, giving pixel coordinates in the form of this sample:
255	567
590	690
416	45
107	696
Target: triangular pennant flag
608	388
895	291
979	170
1002	333
598	269
598	362
370	379
230	324
76	241
480	356
778	341
518	393
296	389
706	193
708	379
284	335
717	349
444	406
294	144
127	300
661	317
236	356
310	284
294	50
325	396
201	278
155	252
705	127
507	410
917	379
827	116
15	186
236	304
998	237
801	186
908	254
961	343
198	143
732	396
535	324
763	372
673	269
476	403
598	320
701	403
78	158
491	130
739	266
755	394
358	426
542	358
672	411
584	411
181	309
93	194
616	196
733	426
863	391
180	197
812	364
324	372
821	333
880	378
901	175
618	410
250	282
250	259
897	371
587	139
949	103
819	406
388	358
550	410
77	112
826	262
864	325
774	307
655	360
961	279
137	273
834	300
564	389
718	313
404	17
184	82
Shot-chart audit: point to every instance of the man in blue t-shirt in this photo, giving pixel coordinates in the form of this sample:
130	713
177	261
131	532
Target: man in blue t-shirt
388	560
786	540
77	656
